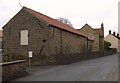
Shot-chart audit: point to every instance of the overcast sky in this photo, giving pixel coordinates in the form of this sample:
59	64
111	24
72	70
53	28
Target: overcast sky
79	12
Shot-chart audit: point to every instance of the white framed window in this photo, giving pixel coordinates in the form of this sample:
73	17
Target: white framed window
24	37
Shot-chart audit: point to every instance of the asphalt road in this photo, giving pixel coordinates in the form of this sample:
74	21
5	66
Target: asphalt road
99	69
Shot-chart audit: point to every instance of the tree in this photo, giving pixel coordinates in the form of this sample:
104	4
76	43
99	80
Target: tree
107	45
65	21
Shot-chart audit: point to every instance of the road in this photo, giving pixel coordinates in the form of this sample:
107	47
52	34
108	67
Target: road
99	69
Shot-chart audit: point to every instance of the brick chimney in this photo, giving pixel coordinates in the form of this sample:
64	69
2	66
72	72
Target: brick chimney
109	31
114	33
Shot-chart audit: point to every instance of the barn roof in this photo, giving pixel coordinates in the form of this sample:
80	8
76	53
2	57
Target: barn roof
54	22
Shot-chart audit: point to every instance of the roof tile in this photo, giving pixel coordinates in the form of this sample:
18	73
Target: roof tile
55	22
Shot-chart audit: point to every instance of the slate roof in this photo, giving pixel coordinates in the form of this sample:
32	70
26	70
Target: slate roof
54	22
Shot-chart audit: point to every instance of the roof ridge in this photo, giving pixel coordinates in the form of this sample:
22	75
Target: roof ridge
49	17
38	12
54	22
115	36
96	28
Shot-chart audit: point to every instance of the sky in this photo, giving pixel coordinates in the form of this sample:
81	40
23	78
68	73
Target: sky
79	12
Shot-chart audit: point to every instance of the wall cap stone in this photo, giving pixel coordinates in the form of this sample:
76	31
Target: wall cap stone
12	62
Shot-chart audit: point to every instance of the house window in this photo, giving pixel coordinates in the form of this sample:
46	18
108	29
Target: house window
24	37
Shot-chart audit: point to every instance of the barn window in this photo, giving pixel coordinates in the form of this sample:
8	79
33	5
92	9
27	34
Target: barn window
24	37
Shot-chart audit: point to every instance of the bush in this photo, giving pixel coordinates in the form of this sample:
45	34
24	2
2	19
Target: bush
107	45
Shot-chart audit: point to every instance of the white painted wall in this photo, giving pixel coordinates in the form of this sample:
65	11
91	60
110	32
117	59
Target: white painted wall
113	40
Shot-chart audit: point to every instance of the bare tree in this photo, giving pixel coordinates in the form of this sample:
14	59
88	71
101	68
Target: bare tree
65	21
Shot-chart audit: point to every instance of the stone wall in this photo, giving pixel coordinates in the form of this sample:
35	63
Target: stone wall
90	32
72	58
12	70
64	59
63	42
37	35
110	51
101	44
90	45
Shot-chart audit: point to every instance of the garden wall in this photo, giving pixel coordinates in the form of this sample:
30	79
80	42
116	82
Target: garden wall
12	70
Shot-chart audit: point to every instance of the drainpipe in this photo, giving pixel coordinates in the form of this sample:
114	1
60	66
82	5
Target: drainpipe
61	42
87	45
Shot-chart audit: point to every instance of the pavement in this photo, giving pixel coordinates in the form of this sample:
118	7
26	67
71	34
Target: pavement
98	69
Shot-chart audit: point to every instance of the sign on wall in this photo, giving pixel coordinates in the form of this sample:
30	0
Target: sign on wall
30	54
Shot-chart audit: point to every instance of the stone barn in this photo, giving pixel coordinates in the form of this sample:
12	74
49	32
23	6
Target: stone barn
33	33
97	34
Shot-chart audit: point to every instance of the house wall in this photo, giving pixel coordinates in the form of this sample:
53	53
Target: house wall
90	32
113	40
37	30
90	45
101	44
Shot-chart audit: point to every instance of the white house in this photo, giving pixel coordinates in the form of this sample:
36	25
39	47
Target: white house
114	40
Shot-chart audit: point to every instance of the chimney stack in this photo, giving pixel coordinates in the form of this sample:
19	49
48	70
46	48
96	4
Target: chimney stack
102	27
109	31
114	33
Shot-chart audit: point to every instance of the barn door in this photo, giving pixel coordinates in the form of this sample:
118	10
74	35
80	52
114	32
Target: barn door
24	37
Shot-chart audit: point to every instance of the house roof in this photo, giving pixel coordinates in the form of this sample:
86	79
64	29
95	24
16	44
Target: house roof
115	36
112	36
1	33
54	22
99	31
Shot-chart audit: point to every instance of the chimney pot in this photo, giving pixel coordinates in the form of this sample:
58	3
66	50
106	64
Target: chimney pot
102	25
114	33
117	35
109	31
